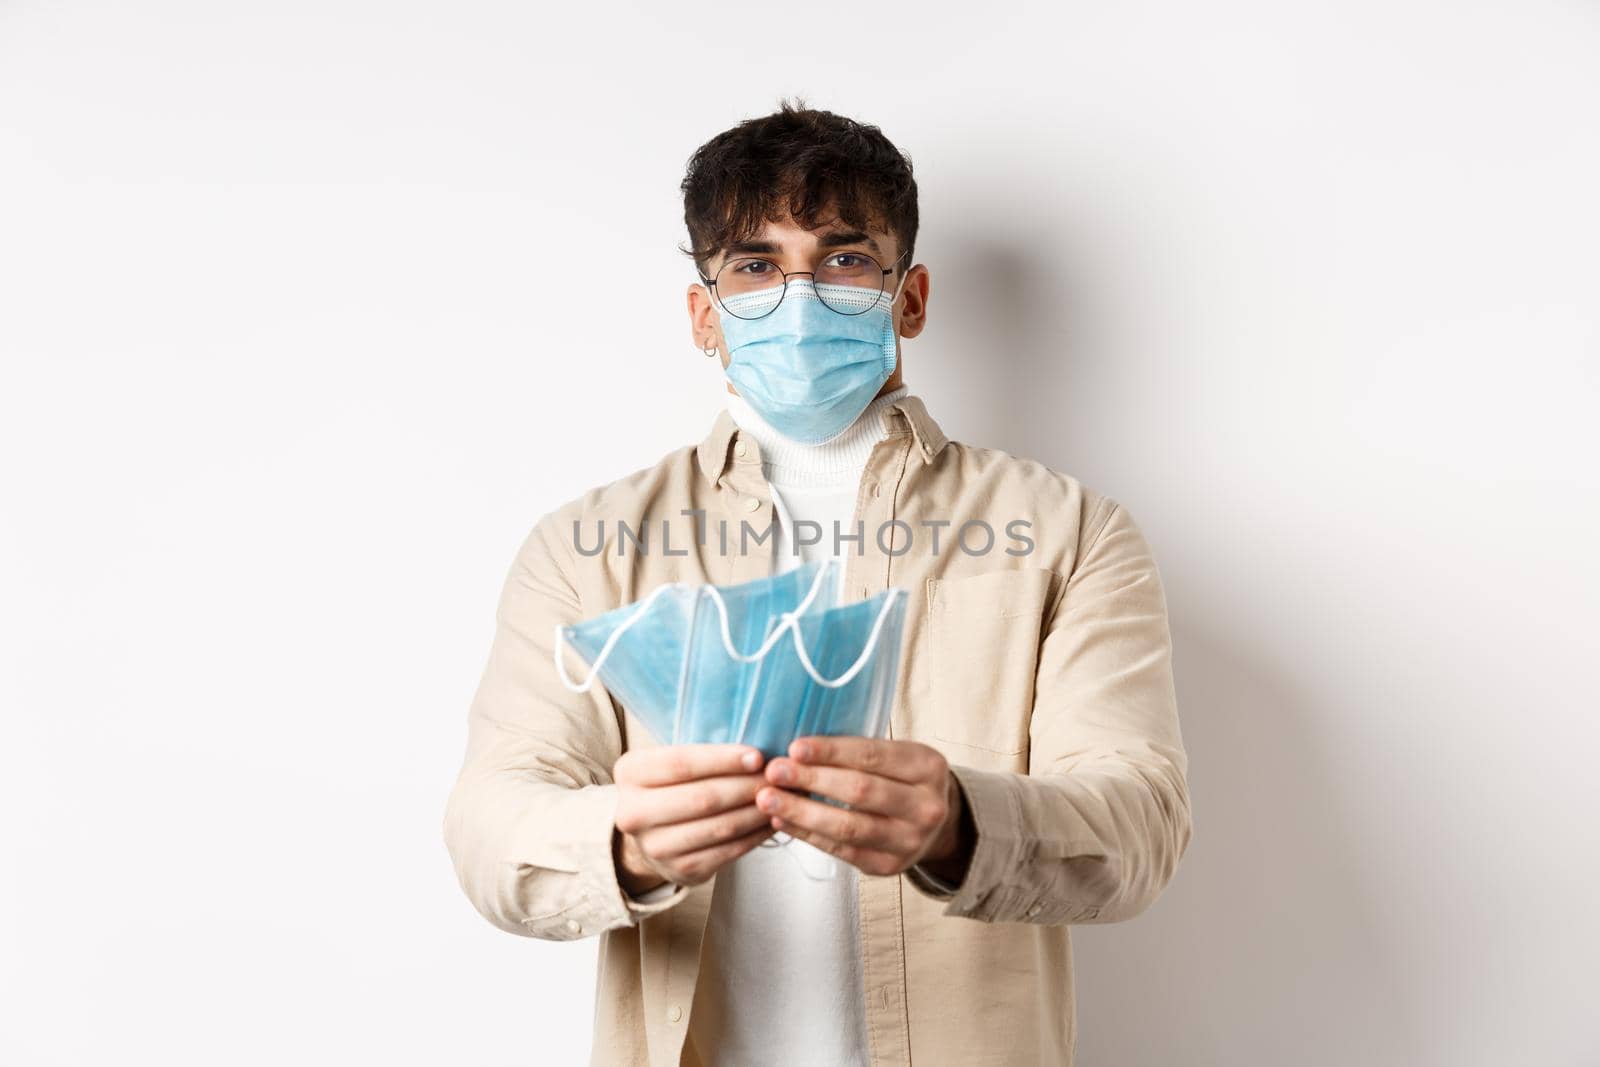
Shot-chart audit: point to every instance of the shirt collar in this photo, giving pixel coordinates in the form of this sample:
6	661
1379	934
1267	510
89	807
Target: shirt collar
908	414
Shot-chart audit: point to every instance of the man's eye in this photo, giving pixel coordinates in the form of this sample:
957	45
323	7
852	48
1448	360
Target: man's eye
755	266
848	261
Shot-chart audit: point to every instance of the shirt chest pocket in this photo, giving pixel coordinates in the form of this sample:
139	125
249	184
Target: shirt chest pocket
983	644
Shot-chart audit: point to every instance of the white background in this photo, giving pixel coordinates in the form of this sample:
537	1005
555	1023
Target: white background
309	310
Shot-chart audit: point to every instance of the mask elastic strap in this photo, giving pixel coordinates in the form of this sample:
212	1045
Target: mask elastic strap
610	641
722	608
896	294
791	621
828	873
790	618
866	651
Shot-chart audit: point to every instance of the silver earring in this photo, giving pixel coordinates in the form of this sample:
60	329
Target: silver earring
710	351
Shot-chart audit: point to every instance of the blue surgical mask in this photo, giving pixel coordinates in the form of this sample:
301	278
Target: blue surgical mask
805	368
760	662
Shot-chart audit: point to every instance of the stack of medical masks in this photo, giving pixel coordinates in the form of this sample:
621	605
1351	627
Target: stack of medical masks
758	663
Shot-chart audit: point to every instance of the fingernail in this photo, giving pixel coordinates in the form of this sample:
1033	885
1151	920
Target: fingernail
802	751
752	761
768	800
780	773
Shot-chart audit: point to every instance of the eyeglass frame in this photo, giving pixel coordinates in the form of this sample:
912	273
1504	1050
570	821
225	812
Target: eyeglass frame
783	289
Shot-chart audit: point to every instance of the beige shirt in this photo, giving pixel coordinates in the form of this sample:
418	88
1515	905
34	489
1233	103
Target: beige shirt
1041	668
813	1007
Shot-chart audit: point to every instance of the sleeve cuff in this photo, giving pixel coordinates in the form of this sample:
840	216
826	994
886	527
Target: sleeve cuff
645	904
633	908
925	879
650	896
1003	883
601	903
997	818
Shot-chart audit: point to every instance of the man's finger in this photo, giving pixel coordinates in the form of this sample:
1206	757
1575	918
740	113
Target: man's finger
680	839
668	804
671	764
900	760
858	828
862	791
869	860
696	867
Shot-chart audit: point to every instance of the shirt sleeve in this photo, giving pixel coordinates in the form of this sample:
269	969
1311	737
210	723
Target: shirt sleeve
656	895
529	821
1095	830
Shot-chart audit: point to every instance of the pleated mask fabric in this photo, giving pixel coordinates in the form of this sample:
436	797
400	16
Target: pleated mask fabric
760	662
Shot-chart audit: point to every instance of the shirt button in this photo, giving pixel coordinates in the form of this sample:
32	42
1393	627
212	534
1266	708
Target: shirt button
752	504
1036	909
574	926
674	1013
740	450
877	490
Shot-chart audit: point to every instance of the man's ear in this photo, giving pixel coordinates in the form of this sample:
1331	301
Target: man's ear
914	301
705	326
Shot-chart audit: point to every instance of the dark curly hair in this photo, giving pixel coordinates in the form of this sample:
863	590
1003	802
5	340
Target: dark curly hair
802	164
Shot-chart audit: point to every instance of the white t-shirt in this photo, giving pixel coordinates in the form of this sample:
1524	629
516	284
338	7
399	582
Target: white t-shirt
782	957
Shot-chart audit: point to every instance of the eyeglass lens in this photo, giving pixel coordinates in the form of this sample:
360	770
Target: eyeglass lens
847	282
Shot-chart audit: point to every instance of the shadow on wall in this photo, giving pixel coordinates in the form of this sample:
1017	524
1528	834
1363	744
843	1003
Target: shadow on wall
1269	947
1005	331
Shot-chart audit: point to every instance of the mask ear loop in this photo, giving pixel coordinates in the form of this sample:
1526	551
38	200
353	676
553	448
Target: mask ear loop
831	871
830	567
791	623
895	593
749	706
610	642
787	618
644	606
826	874
896	294
892	343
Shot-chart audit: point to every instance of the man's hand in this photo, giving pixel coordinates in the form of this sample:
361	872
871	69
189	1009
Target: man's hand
684	812
906	807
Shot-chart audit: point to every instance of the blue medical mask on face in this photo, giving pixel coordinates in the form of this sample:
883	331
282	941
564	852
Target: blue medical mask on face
805	368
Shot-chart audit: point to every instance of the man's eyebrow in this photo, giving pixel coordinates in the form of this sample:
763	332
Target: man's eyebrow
840	238
836	239
755	248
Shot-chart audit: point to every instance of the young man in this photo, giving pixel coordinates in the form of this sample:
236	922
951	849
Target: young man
1034	776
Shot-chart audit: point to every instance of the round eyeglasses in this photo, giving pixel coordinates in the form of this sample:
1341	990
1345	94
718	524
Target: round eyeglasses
850	283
